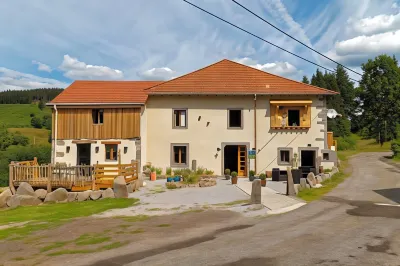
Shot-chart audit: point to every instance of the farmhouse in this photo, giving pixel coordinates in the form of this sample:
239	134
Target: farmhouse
225	115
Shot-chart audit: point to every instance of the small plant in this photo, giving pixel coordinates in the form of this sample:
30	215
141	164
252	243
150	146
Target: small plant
234	174
158	170
152	169
327	170
263	176
252	172
200	170
186	172
192	178
234	178
209	172
171	185
227	172
168	171
177	171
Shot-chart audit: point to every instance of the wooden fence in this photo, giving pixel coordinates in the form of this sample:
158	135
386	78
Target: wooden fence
75	178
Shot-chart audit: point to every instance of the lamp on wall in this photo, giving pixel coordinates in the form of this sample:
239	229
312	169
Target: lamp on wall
68	149
125	149
97	149
218	149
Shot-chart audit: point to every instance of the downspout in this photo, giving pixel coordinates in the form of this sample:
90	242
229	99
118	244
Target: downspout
55	133
255	131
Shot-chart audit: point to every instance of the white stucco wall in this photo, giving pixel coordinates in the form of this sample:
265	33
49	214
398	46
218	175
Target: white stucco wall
71	158
204	140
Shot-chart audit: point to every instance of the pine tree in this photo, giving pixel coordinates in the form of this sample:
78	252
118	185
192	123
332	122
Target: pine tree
346	89
318	79
305	80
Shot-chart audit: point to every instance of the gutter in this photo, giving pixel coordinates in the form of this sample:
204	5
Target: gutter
255	131
55	133
61	104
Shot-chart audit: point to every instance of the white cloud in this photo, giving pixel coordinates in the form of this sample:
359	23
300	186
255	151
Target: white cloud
162	73
14	80
395	5
75	69
278	68
377	24
41	66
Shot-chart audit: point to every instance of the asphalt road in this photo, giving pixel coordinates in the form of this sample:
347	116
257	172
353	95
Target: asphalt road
347	227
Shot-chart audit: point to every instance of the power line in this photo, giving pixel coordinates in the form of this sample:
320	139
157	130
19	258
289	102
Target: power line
258	37
248	10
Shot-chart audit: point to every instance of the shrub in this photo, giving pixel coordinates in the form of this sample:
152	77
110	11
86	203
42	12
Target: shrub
158	170
20	139
346	143
263	176
152	169
168	171
171	185
191	178
395	147
186	172
234	174
46	122
209	172
252	173
36	122
200	170
177	171
227	171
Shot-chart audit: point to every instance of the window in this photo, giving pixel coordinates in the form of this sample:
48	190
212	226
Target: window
97	116
285	156
179	156
111	152
235	118
179	118
325	156
293	118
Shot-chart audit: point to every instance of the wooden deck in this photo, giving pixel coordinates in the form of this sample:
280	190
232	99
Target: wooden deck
74	178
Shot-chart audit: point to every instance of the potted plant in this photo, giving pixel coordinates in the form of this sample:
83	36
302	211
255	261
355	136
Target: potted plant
251	175
227	174
153	174
234	178
263	179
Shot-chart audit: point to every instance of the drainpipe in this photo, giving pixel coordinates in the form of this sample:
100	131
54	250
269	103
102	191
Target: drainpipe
255	131
55	133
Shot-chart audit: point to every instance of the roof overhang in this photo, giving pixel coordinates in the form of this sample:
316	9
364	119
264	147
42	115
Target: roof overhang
82	105
234	93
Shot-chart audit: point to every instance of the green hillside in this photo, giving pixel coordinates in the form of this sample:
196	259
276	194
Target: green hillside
18	115
37	136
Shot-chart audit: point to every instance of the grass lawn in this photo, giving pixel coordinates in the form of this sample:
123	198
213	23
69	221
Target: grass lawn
18	115
36	136
362	146
51	215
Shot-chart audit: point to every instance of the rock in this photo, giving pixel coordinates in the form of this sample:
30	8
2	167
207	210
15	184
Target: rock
207	182
318	185
41	193
95	195
22	200
108	193
130	188
319	179
72	196
297	188
120	189
58	195
303	182
311	179
255	192
4	196
334	170
308	186
290	183
84	195
144	184
147	172
135	185
25	189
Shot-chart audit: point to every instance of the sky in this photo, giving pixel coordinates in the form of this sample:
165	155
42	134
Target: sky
53	43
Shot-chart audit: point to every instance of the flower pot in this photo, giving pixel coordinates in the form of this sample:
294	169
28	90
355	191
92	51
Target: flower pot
153	176
234	180
227	177
251	178
177	179
263	182
170	179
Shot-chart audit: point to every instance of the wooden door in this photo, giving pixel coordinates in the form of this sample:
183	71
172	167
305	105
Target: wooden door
242	161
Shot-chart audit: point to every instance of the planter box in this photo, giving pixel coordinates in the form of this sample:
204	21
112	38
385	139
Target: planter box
297	174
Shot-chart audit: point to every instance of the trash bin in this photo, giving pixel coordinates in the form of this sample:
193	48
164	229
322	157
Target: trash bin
297	174
275	174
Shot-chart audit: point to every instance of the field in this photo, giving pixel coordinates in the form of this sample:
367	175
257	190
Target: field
37	136
18	115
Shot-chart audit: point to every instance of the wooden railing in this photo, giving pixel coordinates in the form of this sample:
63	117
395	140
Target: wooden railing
331	142
104	174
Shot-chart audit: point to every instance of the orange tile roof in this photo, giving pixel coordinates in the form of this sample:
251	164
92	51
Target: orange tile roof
105	92
228	77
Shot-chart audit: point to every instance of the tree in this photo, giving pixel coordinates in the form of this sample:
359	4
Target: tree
318	80
41	105
380	86
346	89
305	80
46	121
6	138
36	122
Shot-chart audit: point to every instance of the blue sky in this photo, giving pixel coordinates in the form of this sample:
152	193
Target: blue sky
52	43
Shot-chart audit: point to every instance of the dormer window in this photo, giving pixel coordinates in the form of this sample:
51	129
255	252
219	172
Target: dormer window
98	116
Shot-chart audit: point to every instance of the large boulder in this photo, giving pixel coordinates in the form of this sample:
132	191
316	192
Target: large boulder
25	189
297	188
120	189
311	179
319	179
137	184
130	188
84	195
256	192
4	196
41	193
108	193
334	170
303	182
95	195
72	196
290	190
22	200
58	195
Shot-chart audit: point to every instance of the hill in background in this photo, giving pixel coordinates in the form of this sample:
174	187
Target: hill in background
28	96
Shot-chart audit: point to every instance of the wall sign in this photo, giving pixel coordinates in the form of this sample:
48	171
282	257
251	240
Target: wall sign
252	154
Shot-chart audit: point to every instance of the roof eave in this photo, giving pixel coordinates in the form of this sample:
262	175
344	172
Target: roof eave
240	93
116	103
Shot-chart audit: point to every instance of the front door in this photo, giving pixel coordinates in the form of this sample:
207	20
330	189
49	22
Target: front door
242	161
83	156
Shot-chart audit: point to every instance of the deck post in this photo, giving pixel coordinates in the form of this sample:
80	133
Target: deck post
93	175
10	179
50	173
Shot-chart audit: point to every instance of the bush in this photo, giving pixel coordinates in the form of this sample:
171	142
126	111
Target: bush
263	176
20	139
46	122
36	122
200	170
159	171
186	172
252	172
395	147
152	169
168	171
209	172
192	178
177	171
234	174
171	185
227	172
346	143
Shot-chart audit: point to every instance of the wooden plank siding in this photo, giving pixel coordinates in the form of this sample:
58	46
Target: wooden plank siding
277	111
77	123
